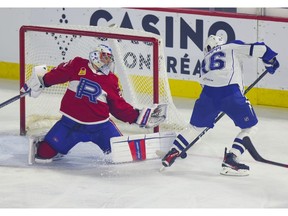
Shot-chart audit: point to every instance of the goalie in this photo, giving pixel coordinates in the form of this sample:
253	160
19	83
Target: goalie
92	94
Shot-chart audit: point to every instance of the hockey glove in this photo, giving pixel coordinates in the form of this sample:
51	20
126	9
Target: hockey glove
271	65
35	83
152	117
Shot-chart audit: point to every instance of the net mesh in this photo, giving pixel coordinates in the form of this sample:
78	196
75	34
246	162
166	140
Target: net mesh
133	66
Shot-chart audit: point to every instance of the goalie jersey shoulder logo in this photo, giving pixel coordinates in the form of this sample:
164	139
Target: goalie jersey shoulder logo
82	71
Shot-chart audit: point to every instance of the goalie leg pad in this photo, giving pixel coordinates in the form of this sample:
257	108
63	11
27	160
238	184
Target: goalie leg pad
33	141
40	151
140	147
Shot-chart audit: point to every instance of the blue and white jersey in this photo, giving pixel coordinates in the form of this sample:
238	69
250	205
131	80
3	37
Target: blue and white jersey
222	66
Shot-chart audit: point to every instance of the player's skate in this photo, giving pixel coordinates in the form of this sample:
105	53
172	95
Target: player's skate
231	166
171	156
32	155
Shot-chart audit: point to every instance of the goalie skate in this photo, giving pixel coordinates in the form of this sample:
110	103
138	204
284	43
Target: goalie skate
231	167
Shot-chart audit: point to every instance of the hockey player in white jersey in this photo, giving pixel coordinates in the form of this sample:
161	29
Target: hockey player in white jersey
222	82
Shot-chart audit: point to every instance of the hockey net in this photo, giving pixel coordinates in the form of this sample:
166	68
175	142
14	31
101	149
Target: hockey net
139	65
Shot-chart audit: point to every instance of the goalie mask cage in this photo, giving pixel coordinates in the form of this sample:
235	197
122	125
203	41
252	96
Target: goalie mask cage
139	65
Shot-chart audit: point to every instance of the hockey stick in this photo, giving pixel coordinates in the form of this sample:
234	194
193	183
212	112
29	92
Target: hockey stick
216	120
253	152
15	98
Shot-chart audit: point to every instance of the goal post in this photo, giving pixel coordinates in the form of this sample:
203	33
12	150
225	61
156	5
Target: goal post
139	65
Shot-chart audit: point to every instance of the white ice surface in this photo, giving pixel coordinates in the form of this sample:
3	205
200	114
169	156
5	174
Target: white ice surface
83	179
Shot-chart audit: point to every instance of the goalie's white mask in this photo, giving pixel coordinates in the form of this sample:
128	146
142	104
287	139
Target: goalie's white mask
102	58
211	42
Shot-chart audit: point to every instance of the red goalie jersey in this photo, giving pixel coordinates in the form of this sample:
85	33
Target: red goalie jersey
90	95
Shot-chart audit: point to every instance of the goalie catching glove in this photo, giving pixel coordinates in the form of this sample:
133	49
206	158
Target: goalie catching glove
35	84
150	117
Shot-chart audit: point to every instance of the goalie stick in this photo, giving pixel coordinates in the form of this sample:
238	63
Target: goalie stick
15	98
216	120
256	156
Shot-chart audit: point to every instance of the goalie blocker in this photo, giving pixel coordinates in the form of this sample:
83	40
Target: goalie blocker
123	149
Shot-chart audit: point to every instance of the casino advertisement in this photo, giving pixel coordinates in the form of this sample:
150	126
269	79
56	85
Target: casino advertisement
183	34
